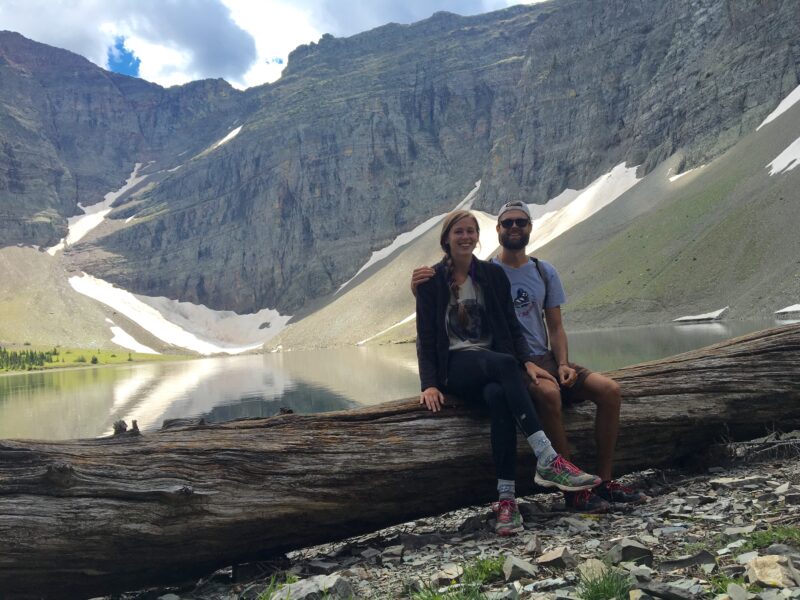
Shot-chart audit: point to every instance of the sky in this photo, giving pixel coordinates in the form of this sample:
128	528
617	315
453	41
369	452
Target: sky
246	42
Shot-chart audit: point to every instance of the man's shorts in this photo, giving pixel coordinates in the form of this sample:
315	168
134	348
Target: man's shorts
569	395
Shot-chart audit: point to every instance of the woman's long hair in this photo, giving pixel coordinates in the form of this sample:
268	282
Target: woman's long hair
449	221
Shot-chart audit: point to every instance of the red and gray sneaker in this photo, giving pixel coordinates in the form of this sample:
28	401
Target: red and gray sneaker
508	518
586	501
565	476
616	493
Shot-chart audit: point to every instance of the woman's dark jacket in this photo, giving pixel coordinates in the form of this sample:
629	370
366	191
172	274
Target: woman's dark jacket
433	344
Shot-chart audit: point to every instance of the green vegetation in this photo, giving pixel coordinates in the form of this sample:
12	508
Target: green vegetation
611	583
25	360
32	359
276	582
782	534
477	573
719	584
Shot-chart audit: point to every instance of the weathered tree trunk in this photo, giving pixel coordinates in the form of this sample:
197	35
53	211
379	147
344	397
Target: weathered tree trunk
92	516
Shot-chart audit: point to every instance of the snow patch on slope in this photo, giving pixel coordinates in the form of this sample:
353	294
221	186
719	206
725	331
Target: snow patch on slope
406	238
126	340
80	225
183	324
571	207
786	160
785	105
227	138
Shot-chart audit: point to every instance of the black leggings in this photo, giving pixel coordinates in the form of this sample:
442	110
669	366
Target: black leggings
496	379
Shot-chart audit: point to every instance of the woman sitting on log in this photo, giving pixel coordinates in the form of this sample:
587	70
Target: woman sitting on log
469	343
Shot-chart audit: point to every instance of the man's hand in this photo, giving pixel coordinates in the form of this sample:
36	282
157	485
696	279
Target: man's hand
432	398
420	275
567	375
537	373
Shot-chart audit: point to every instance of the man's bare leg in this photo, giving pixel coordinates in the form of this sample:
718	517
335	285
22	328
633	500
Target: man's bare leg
605	393
547	398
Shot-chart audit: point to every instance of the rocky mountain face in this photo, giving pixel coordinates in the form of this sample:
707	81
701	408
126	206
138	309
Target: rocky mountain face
71	132
367	136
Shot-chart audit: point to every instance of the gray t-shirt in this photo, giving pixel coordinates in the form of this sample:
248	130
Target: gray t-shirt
528	292
475	333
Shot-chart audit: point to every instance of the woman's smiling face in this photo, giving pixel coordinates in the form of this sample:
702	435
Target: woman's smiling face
463	236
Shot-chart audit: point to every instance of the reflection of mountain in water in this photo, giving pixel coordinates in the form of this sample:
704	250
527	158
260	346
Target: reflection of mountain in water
302	398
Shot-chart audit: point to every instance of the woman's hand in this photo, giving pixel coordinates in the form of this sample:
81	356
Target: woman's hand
432	398
536	373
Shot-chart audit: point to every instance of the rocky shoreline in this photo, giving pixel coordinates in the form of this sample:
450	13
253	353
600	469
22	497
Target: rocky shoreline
722	532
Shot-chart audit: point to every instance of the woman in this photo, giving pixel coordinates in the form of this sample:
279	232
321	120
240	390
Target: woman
469	343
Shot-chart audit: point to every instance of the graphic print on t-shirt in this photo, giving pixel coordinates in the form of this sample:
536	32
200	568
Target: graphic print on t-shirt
476	317
523	303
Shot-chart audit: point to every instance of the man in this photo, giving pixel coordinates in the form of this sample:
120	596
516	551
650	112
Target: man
538	296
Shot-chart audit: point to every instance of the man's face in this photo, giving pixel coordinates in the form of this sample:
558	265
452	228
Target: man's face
514	237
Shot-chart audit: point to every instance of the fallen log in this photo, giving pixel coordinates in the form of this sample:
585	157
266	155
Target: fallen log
86	517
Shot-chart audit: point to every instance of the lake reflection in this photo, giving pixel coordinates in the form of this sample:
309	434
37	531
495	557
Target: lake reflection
82	403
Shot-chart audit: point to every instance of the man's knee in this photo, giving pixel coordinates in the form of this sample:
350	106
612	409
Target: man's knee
607	393
546	396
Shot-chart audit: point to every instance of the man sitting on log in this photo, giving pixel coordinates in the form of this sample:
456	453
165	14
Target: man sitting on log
538	295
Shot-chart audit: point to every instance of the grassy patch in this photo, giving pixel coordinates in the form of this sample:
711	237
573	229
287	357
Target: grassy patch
81	357
719	584
604	586
276	582
476	573
782	534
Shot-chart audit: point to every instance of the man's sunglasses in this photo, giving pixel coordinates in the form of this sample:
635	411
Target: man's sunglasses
521	223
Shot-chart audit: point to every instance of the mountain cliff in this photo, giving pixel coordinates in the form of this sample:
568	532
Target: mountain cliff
367	136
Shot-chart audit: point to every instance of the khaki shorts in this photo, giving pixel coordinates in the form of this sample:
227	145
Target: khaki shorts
569	395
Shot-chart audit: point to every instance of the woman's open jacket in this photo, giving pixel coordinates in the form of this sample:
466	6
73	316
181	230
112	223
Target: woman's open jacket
433	343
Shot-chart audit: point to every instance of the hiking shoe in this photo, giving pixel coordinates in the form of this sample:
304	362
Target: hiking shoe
508	518
565	476
614	492
586	501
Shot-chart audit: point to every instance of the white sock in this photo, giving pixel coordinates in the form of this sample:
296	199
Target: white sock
506	489
542	448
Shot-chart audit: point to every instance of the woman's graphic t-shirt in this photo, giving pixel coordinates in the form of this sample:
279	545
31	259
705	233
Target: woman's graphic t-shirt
475	334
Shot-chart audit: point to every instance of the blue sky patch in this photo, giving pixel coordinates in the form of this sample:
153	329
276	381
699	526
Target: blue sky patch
122	60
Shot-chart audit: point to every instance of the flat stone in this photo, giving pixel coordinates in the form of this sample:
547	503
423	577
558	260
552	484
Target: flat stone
516	568
370	553
322	567
575	525
506	594
737	482
782	489
745	558
447	574
639	595
739	531
545	584
665	590
700	558
592	569
559	558
332	587
414	541
771	571
169	597
640	572
784	550
533	545
737	592
628	550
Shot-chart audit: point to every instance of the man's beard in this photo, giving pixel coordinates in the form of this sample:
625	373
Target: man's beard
516	243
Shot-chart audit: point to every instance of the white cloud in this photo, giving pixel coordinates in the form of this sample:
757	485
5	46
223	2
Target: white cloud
179	41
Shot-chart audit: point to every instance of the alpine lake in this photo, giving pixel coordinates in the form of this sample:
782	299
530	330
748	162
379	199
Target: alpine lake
85	402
